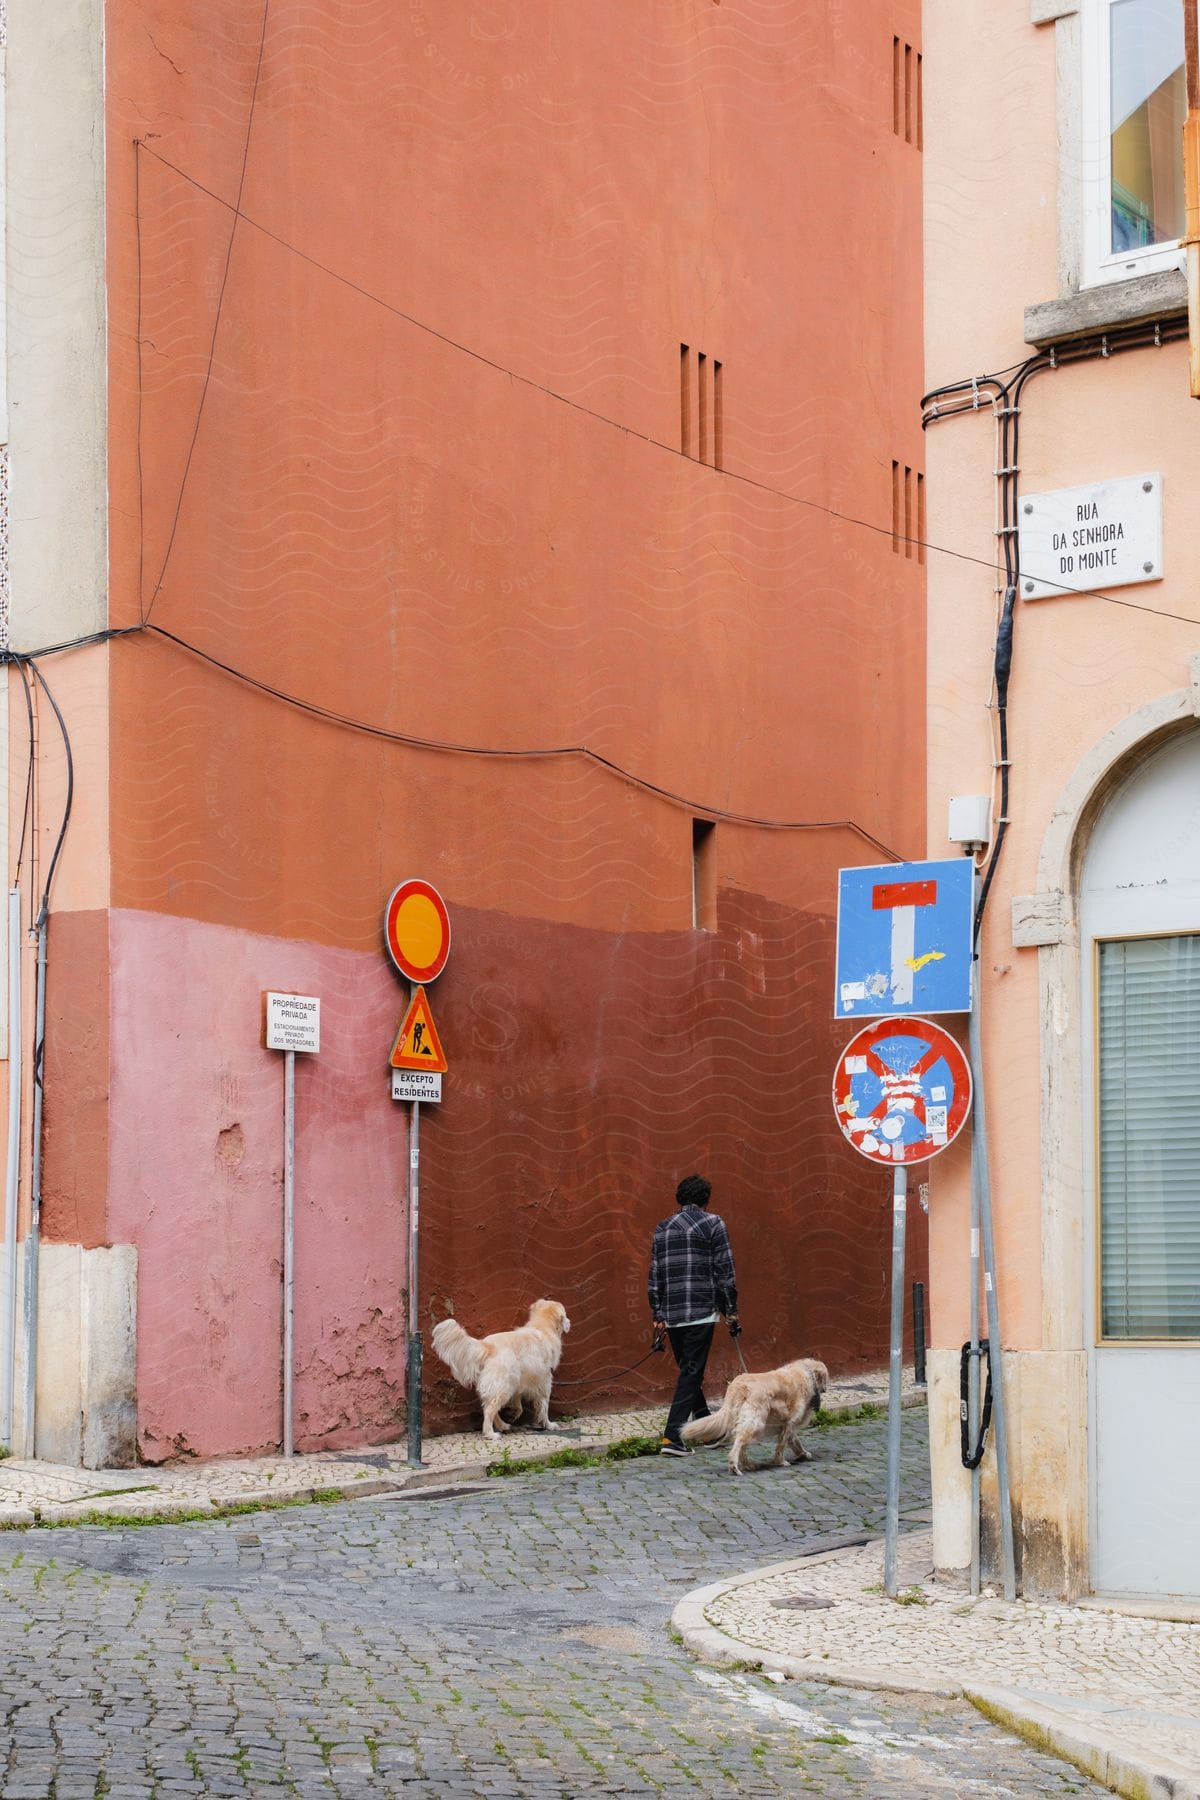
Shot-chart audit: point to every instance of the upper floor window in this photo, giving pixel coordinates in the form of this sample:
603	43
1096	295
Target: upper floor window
1134	106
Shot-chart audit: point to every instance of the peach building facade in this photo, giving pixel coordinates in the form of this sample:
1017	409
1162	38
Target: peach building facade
1053	209
452	407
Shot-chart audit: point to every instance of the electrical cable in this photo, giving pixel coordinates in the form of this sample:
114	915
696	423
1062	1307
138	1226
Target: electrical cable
103	636
1005	399
1007	410
1103	344
531	753
1165	337
44	906
1002	668
349	722
27	809
1008	472
970	382
516	754
539	387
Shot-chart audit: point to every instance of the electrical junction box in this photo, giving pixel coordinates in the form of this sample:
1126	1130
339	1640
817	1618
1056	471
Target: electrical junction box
970	819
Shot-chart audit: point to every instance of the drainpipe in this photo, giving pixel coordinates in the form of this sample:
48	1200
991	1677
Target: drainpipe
1191	189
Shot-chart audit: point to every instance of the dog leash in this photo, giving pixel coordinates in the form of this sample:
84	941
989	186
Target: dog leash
592	1380
656	1346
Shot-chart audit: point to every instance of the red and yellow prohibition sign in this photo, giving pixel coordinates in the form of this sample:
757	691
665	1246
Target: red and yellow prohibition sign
417	930
901	1090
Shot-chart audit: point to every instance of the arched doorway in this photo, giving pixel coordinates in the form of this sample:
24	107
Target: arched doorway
1139	917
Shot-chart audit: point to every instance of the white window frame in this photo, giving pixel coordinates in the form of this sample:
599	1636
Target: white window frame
1100	264
1116	1339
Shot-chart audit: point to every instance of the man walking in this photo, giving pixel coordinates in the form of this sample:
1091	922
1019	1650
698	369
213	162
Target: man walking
691	1283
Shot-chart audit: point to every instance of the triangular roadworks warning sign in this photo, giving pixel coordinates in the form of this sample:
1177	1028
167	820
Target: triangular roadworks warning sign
417	1044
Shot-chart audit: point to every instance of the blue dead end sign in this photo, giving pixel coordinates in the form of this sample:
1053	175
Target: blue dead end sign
901	1090
904	941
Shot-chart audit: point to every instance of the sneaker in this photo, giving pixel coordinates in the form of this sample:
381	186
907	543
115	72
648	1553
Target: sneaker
672	1447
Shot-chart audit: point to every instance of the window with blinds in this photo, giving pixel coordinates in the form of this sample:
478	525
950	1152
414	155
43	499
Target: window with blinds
1149	1107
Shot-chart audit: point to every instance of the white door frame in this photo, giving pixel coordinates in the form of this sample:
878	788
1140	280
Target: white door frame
1048	920
1141	882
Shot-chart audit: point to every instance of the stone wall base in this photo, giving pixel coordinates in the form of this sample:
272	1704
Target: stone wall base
1046	1393
86	1406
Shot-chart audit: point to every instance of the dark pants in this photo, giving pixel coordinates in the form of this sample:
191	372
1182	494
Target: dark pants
690	1347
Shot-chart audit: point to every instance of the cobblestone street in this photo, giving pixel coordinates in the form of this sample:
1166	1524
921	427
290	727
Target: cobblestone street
508	1640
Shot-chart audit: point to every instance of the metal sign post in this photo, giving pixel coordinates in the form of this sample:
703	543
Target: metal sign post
981	1187
418	1064
289	1239
895	1380
416	930
293	1022
973	1364
901	1094
416	1349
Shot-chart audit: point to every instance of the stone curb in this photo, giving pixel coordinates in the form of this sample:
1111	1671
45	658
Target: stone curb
707	1644
194	1509
1046	1727
541	1449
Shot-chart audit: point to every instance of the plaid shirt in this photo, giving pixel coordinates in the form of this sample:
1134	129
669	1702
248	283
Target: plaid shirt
691	1267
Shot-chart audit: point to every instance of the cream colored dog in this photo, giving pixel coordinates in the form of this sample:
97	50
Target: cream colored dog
509	1368
781	1402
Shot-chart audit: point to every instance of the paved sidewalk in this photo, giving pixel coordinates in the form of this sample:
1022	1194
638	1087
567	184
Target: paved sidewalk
1114	1693
41	1493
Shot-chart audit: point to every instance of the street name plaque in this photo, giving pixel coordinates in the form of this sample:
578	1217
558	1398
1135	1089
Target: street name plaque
1085	539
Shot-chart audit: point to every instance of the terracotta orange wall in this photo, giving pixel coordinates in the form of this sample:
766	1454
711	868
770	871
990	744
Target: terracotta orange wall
76	1086
380	522
372	519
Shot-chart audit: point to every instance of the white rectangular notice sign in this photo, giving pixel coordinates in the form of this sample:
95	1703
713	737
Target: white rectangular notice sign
415	1084
293	1022
1084	539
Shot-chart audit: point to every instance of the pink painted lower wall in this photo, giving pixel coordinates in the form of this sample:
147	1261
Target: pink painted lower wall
195	1182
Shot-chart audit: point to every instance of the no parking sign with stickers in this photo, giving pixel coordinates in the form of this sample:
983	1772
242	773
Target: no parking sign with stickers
901	1090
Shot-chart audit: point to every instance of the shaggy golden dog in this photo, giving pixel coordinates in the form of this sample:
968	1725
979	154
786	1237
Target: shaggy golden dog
509	1368
779	1404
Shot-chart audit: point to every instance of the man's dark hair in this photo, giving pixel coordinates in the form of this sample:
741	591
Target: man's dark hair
693	1190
